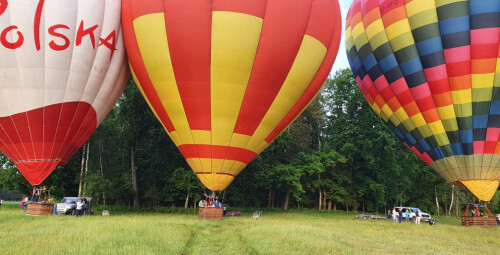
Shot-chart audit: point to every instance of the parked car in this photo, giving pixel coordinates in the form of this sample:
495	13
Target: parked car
68	205
424	216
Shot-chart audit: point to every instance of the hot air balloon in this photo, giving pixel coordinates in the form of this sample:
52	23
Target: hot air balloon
62	69
225	78
430	69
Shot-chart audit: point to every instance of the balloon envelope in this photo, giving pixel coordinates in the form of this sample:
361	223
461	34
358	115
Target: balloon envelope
225	78
429	68
62	69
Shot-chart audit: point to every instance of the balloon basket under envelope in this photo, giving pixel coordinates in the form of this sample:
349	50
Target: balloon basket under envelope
39	208
210	213
485	222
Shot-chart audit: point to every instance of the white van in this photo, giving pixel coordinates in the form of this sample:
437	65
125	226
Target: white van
424	216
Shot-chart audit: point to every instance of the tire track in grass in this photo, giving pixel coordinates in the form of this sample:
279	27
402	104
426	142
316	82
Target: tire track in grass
190	241
244	243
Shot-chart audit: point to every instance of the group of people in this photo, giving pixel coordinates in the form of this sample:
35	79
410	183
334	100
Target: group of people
209	202
477	213
398	215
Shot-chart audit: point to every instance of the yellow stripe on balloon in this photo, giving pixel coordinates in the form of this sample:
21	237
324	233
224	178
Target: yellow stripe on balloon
156	56
418	120
201	136
402	41
204	137
398	28
175	138
401	113
394	120
235	38
223	165
387	110
348	35
173	135
497	69
482	80
461	97
215	181
358	33
374	28
417	6
376	109
446	112
218	180
306	64
436	127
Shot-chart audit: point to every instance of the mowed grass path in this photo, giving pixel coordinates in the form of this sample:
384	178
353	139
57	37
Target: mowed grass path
275	233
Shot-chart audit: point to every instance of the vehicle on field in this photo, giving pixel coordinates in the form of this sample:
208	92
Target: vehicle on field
424	216
68	205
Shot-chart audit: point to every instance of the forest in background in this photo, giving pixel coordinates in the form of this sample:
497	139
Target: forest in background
337	155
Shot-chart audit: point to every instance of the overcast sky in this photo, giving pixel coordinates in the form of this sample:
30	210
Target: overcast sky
341	61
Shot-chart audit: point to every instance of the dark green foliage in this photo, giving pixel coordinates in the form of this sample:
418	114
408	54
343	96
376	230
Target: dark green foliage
336	154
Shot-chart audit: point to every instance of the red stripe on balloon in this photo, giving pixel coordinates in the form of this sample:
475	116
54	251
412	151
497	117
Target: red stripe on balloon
424	156
189	25
323	20
129	11
36	172
283	29
251	7
217	152
81	128
141	9
34	138
316	83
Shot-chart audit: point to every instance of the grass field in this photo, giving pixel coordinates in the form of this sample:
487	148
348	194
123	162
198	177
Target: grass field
275	233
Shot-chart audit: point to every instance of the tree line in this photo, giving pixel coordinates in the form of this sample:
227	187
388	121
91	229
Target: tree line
337	155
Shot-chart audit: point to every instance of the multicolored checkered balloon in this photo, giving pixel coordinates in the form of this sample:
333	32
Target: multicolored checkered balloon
431	70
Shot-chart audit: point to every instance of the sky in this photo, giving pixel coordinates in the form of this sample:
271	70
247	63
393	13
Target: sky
341	61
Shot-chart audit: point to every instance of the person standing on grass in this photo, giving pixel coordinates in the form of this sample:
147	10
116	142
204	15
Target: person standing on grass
79	206
24	201
1	202
407	215
417	217
394	215
400	215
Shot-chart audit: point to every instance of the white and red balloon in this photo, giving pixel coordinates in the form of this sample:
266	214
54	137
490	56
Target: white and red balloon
62	69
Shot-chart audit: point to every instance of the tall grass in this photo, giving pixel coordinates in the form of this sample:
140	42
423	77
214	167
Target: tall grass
274	233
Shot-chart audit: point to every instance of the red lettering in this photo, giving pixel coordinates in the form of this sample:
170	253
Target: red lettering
52	44
83	32
36	26
3	6
11	45
106	42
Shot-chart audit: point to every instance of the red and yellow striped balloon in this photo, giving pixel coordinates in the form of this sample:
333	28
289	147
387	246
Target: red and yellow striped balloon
431	70
224	77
